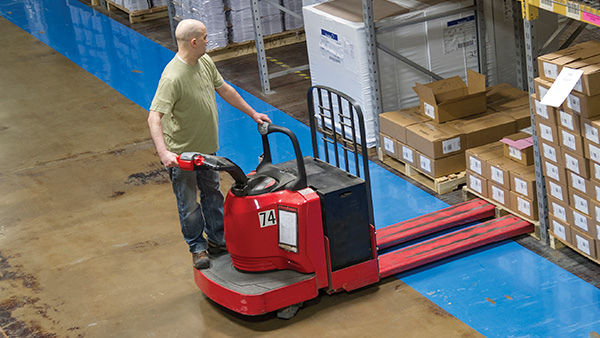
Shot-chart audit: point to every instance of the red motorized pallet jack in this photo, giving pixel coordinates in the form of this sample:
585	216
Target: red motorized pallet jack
305	225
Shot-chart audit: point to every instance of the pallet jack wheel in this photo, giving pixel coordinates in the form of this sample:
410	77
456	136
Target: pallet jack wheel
289	312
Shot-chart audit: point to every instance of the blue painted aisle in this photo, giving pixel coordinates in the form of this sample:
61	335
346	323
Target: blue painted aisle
503	290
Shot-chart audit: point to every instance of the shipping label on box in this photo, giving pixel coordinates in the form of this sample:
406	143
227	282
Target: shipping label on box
498	194
557	191
581	221
477	184
577	164
559	210
559	229
572	142
569	121
583	242
594	171
581	203
578	183
591	151
408	155
550	151
590	129
442	166
545	113
523	181
388	145
523	206
547	132
541	87
585	106
554	172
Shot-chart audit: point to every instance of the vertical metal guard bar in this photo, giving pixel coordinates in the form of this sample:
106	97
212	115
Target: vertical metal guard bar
311	120
354	144
323	127
342	118
333	132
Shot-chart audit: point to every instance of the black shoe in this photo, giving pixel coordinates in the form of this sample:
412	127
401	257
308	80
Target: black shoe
216	250
201	260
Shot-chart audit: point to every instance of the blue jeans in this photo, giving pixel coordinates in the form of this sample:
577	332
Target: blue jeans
196	218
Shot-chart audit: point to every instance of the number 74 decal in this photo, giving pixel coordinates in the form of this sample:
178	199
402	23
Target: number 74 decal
267	218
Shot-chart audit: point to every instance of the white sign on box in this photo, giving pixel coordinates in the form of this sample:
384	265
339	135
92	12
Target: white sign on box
562	87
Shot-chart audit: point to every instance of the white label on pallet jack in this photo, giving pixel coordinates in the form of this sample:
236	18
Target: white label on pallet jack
288	230
267	218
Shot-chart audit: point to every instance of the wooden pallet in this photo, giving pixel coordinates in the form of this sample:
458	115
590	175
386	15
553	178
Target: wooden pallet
248	47
141	15
441	185
557	243
502	210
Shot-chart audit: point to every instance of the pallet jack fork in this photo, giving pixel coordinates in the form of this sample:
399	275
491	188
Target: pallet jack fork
306	225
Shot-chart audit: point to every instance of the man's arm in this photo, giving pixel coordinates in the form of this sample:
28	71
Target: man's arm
231	96
167	158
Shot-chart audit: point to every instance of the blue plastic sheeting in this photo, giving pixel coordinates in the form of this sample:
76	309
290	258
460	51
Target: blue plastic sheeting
502	290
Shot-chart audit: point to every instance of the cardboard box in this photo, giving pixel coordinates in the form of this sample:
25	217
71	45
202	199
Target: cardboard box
585	106
579	183
560	211
584	243
519	148
394	123
499	171
503	97
555	172
551	64
477	183
442	166
590	129
559	229
576	164
594	191
569	121
499	194
521	115
581	202
589	83
523	181
546	131
558	191
545	113
484	128
477	157
408	155
451	98
542	87
571	141
389	146
524	206
550	152
591	151
435	140
581	222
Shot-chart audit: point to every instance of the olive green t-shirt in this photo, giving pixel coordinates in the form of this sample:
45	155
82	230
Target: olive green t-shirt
186	97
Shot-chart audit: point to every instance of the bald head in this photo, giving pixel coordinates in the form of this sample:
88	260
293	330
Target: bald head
188	29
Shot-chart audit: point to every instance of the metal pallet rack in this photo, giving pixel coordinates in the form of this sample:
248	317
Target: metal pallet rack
577	12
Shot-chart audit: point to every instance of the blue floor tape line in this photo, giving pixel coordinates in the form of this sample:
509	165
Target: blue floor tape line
501	290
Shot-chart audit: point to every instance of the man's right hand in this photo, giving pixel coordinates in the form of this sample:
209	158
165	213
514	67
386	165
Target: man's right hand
169	159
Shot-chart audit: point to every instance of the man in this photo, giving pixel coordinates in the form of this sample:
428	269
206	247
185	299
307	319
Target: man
183	117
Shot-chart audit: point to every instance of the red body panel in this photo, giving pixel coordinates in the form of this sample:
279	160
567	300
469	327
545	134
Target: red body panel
254	246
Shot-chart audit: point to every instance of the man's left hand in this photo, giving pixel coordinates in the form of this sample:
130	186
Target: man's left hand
260	118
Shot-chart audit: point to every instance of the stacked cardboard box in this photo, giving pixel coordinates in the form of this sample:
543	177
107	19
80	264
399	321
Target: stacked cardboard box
503	171
570	147
451	118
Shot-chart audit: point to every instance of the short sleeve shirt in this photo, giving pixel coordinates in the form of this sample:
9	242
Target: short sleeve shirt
186	97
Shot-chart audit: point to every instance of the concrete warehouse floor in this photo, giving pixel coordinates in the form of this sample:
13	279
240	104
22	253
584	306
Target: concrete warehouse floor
90	244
